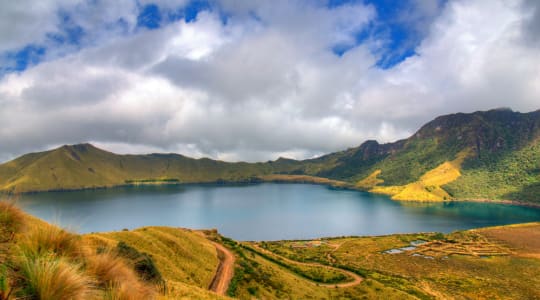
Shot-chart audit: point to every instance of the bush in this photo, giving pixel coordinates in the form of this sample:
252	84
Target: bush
142	262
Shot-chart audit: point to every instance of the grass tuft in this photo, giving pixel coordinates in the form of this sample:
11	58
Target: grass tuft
40	240
51	278
117	279
11	220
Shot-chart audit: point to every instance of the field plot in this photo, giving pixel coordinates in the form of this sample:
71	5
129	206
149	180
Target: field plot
491	263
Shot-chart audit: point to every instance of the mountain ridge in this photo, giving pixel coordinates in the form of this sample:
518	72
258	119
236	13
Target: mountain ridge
494	150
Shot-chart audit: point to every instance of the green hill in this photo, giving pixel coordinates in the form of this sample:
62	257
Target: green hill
85	166
482	155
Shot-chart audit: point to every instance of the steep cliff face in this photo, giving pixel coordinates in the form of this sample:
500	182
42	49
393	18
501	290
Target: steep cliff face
491	131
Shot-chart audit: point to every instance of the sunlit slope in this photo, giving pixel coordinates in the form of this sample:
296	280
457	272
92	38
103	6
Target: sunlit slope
427	188
484	155
42	261
502	162
186	260
85	166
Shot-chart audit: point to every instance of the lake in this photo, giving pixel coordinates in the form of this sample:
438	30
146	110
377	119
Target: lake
267	211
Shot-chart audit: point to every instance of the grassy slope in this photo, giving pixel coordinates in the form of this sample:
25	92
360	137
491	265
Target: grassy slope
485	155
511	274
490	263
509	175
503	163
186	260
181	255
84	166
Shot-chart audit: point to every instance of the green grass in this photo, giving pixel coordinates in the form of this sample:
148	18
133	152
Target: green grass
507	175
503	162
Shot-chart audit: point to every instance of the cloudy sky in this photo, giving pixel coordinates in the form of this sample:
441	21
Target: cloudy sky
255	80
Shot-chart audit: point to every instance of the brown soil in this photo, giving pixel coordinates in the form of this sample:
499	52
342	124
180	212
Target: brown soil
523	239
224	272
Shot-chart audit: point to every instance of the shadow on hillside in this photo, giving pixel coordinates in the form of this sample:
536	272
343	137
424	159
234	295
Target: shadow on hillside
529	192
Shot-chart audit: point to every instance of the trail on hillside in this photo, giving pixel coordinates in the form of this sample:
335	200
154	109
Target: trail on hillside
356	278
224	272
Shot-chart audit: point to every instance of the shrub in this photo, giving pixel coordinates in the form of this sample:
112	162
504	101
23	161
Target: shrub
142	262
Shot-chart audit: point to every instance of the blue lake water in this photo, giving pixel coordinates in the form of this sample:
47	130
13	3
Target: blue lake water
267	211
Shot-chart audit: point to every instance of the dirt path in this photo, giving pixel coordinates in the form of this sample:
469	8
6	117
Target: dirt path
356	278
225	270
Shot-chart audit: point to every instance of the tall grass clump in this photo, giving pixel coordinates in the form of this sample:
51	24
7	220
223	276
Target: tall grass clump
49	277
117	279
40	240
5	286
11	220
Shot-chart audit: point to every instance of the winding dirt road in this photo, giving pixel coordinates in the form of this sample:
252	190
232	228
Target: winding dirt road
356	278
225	270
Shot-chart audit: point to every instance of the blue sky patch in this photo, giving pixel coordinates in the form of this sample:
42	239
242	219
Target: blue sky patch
23	58
149	17
400	38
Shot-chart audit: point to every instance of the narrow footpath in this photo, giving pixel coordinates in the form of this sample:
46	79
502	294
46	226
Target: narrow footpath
224	272
356	278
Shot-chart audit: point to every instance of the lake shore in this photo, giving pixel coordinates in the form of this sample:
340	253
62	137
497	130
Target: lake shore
274	178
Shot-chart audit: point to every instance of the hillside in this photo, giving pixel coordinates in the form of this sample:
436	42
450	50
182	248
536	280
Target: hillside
85	166
41	261
482	155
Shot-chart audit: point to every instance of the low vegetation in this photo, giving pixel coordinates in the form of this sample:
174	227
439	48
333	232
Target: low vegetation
490	263
42	261
483	155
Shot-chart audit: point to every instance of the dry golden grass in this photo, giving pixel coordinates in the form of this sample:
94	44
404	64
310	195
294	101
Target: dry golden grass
43	261
118	280
38	240
180	255
387	190
180	290
523	239
48	277
370	181
428	187
463	265
303	179
11	220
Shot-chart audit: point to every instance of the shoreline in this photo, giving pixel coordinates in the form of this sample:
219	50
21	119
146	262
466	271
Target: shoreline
275	178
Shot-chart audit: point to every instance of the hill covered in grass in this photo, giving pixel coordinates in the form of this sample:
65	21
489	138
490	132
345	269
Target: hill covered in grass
42	261
483	155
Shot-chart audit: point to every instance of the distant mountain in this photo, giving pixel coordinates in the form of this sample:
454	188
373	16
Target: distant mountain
85	166
482	155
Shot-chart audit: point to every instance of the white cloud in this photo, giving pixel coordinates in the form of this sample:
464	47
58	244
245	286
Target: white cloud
259	88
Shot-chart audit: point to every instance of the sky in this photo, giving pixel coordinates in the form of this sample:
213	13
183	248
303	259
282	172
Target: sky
255	80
